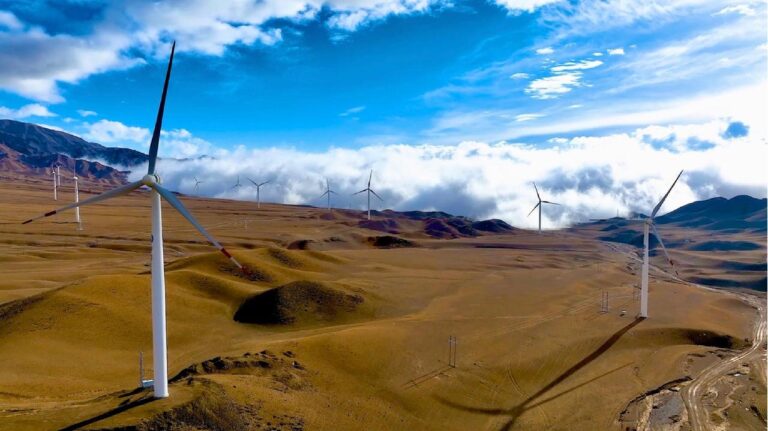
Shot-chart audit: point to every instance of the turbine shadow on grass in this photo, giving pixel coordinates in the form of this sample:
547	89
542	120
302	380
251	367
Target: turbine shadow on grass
515	412
124	406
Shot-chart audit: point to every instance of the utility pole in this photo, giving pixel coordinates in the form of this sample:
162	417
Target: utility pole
452	351
604	302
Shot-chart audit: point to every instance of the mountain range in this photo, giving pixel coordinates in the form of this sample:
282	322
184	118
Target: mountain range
29	149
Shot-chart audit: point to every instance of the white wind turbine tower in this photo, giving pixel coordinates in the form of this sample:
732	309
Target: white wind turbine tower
258	191
369	190
197	184
55	184
77	198
328	192
538	205
648	226
152	180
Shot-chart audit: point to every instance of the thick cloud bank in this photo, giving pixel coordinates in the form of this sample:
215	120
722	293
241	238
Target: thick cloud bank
589	176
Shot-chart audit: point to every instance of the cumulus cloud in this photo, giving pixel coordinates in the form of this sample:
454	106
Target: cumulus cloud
111	132
591	176
26	111
36	61
9	21
615	51
545	51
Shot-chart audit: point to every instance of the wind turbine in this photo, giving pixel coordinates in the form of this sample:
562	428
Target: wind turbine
197	184
648	226
258	191
55	184
538	205
237	184
152	180
369	190
328	192
77	198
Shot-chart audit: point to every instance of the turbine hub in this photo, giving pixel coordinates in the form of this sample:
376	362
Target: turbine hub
150	179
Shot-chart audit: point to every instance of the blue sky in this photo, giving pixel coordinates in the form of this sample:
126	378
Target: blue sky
313	76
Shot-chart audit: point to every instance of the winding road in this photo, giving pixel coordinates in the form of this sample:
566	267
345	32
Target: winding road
692	393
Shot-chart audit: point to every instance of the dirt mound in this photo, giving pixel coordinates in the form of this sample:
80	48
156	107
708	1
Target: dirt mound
301	244
386	225
296	303
249	363
389	241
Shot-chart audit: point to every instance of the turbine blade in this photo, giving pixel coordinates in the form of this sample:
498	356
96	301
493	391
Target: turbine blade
661	243
265	182
254	182
324	193
176	203
363	190
655	210
159	122
369	179
537	191
534	209
106	195
548	202
374	193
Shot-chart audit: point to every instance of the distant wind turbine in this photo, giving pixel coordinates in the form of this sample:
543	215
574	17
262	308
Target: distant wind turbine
77	198
152	180
55	185
369	190
197	184
258	191
538	205
648	226
328	193
237	185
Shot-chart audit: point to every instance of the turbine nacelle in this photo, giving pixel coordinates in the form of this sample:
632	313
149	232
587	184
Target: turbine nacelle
150	180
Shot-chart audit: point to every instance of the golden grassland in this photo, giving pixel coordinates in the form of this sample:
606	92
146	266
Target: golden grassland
361	342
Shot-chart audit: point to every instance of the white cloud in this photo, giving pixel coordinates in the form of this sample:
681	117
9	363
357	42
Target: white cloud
545	51
26	111
579	65
86	113
35	62
743	9
591	176
9	21
597	54
524	5
615	51
553	86
527	117
181	144
351	111
519	75
112	132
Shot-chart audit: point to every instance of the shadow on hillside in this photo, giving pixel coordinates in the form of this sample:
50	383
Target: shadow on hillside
124	406
515	412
